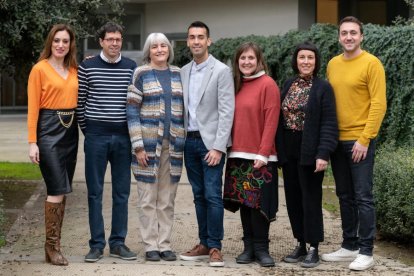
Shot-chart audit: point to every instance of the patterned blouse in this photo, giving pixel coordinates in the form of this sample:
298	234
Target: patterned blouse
294	104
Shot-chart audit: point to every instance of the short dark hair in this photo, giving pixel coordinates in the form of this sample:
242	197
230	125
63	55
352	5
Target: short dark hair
310	47
199	24
109	27
352	19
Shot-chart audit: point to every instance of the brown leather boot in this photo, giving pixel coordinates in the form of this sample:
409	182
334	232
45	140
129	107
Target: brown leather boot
62	212
53	222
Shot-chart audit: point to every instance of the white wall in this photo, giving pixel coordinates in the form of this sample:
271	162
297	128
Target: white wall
230	18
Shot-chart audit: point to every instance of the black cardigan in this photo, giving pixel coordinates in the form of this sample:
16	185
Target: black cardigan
320	132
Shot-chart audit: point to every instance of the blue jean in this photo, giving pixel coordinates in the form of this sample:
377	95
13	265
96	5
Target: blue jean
206	182
354	190
99	149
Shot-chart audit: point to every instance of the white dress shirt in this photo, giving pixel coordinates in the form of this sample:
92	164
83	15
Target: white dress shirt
196	78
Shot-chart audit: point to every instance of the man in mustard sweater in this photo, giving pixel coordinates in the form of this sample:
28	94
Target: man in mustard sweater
358	80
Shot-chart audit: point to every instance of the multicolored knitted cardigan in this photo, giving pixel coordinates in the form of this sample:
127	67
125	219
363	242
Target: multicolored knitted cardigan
145	115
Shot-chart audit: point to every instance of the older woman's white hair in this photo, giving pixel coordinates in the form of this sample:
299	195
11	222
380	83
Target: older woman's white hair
155	38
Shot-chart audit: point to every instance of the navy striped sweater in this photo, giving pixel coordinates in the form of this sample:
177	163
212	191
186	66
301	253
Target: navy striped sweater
102	95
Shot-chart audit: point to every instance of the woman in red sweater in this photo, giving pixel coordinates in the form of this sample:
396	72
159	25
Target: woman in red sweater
251	182
53	132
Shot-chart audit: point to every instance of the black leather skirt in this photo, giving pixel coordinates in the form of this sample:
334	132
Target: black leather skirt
57	139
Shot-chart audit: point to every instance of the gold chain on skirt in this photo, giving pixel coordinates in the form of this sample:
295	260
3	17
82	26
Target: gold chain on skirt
66	113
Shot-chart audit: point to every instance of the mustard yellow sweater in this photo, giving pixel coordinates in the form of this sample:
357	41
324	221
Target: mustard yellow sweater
359	88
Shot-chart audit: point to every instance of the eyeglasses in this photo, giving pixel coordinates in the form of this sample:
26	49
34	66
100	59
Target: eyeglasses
112	40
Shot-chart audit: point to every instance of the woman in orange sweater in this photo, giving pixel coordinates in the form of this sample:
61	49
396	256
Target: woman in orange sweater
52	129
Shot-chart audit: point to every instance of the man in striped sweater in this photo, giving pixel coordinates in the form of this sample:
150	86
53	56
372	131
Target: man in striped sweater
103	83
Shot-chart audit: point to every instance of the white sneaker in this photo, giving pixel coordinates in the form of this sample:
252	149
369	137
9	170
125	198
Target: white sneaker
341	255
362	262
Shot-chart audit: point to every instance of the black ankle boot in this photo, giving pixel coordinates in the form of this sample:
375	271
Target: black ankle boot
247	256
261	252
312	258
297	254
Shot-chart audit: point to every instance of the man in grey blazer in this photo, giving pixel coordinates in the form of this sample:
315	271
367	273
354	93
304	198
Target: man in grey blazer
208	90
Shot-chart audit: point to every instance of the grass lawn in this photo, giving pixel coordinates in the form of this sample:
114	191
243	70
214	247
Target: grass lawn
14	171
330	201
19	171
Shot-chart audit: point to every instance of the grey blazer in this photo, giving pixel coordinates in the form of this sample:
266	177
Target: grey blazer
215	108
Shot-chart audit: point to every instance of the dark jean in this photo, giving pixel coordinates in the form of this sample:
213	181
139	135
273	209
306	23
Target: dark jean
354	190
99	149
206	182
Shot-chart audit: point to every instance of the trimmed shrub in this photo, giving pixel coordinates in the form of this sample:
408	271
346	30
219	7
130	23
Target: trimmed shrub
394	192
392	45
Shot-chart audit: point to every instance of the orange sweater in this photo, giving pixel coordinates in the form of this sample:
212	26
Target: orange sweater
46	89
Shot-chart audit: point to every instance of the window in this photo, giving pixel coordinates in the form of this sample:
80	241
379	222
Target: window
132	33
381	12
132	36
372	11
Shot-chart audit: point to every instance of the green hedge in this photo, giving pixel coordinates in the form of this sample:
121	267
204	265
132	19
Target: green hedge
394	192
393	45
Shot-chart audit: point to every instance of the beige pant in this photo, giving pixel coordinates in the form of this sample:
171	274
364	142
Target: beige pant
156	206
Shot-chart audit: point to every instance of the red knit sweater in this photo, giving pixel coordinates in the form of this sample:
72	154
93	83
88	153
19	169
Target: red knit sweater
256	117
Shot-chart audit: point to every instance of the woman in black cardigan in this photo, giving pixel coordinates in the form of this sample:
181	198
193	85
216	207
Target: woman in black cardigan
307	134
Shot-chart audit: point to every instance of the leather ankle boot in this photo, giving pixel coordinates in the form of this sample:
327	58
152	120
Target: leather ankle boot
62	213
247	256
53	223
261	251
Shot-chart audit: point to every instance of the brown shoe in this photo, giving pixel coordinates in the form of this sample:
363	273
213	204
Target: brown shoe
197	253
216	258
